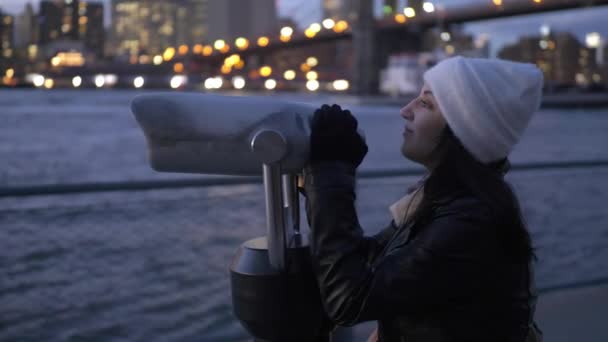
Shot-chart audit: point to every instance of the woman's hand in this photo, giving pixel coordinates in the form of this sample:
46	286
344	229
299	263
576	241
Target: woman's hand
334	136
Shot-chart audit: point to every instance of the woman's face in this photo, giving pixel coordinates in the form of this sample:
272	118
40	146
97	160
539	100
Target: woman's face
424	124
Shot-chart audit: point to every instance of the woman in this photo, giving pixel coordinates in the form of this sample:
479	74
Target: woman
454	264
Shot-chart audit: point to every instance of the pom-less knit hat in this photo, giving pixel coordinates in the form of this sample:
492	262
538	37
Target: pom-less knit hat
486	102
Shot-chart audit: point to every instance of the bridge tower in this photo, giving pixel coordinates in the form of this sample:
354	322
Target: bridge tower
372	47
366	70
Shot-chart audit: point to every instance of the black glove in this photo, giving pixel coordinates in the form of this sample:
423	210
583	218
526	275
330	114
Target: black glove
334	136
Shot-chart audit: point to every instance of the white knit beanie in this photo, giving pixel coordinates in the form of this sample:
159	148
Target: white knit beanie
486	102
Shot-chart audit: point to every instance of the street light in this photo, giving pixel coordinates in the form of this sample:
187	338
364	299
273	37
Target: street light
312	85
312	61
241	43
409	12
238	82
289	75
100	80
77	81
263	41
286	31
593	40
329	23
138	82
341	85
270	84
265	71
219	44
428	7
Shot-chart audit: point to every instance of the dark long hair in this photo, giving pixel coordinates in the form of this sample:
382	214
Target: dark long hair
457	167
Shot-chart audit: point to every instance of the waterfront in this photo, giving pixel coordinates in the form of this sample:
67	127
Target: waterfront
152	265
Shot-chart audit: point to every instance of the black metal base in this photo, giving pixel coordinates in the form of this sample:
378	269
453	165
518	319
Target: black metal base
277	306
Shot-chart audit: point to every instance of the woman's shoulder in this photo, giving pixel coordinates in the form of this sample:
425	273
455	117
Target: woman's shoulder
462	205
462	220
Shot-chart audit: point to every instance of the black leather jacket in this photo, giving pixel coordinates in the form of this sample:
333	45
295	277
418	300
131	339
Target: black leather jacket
449	282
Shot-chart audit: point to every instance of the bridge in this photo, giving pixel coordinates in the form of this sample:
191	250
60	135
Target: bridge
351	52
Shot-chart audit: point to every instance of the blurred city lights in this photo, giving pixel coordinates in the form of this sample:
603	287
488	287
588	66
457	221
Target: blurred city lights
270	84
178	68
36	79
263	41
593	40
315	27
341	26
198	48
77	81
312	61
497	2
110	79
341	85
445	36
310	33
312	85
428	7
545	30
157	60
226	69
286	31
219	44
183	49
100	81
138	82
409	12
400	18
49	83
304	67
207	50
241	43
289	75
10	72
238	82
169	54
265	71
329	24
225	48
312	75
284	39
178	81
214	83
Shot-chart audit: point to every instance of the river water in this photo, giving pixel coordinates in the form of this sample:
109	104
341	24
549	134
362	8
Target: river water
153	265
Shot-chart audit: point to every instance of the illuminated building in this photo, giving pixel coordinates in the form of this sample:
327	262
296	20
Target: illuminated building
90	28
58	20
563	59
143	26
7	32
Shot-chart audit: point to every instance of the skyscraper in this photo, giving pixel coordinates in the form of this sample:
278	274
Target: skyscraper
229	19
58	20
26	27
150	26
90	26
7	32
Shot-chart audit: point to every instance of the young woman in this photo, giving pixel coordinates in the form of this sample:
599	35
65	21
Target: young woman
454	264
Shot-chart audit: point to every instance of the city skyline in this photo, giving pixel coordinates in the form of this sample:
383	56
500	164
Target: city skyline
501	31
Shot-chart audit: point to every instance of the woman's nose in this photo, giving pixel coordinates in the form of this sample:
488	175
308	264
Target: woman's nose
406	112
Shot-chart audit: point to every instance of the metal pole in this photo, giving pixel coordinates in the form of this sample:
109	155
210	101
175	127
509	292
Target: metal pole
275	220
